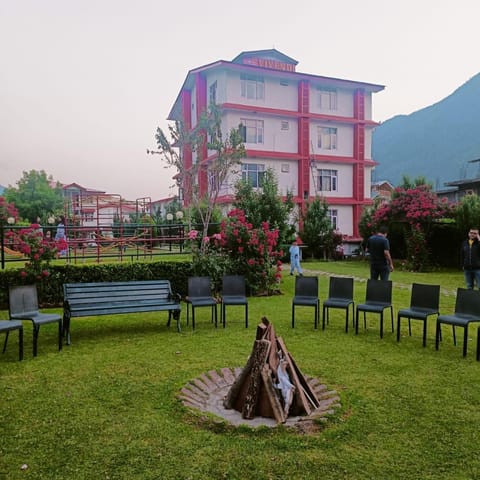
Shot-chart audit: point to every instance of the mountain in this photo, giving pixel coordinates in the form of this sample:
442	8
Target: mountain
436	142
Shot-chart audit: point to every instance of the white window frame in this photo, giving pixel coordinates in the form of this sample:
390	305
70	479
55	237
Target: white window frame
253	173
327	98
252	87
332	214
327	138
327	180
252	130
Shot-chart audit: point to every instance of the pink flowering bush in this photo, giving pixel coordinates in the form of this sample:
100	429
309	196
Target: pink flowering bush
7	210
243	250
36	249
414	208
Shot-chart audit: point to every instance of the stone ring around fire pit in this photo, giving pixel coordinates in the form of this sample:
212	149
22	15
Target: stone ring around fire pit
208	392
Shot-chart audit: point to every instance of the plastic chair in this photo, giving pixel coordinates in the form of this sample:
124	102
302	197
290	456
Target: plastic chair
424	301
200	295
467	310
340	296
8	326
378	298
23	305
306	295
233	293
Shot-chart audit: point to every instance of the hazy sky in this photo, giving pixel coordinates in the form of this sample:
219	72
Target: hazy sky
85	83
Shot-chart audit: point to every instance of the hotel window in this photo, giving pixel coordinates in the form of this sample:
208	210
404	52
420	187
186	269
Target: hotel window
327	138
333	216
213	93
253	173
327	99
251	130
327	180
252	87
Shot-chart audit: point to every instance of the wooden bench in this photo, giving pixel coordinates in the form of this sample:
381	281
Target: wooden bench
112	298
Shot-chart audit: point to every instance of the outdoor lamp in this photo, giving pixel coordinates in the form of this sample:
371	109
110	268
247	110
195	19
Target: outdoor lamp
179	215
50	220
10	220
169	217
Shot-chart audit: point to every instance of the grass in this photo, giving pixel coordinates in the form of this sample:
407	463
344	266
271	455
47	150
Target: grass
106	407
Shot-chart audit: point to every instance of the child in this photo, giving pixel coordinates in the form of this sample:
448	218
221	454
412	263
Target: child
295	259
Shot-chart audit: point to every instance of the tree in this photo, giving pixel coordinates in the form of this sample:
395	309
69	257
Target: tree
467	213
34	197
317	228
218	167
266	205
416	208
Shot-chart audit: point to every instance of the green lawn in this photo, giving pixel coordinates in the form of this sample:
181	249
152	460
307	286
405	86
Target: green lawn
106	406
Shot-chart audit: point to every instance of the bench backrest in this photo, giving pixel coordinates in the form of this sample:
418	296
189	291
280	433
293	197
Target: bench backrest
84	299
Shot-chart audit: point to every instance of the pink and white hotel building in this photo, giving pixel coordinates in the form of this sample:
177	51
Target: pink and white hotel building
315	132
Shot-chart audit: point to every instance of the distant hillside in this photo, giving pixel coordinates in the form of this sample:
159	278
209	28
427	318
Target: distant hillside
436	142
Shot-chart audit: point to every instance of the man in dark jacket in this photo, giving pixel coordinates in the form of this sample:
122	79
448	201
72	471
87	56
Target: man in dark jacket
471	258
380	260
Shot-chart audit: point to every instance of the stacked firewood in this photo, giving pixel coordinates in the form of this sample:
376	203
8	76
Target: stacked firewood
271	384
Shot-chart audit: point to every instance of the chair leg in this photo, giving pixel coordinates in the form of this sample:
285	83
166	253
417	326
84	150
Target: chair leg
398	327
5	343
425	332
293	316
478	344
193	317
381	325
36	329
246	315
20	344
409	327
391	318
222	314
214	307
438	333
454	336
316	317
465	340
346	319
324	311
356	322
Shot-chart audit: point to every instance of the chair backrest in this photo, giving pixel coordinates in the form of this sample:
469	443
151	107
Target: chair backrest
22	299
306	286
341	287
468	302
233	285
379	291
425	296
199	287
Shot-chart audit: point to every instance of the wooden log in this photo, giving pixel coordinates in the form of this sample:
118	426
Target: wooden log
310	392
259	354
235	389
272	395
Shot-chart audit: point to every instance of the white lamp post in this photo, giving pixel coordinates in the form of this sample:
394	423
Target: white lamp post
179	215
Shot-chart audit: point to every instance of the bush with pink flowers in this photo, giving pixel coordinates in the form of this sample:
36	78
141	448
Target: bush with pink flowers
241	249
39	252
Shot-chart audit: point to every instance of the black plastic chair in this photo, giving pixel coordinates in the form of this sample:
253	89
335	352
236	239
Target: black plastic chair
200	295
8	326
378	298
340	296
424	301
233	293
306	295
23	305
467	310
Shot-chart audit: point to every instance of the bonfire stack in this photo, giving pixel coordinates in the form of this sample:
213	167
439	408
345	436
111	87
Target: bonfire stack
271	385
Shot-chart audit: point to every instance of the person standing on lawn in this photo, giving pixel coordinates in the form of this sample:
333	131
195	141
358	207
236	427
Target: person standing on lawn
471	258
378	247
295	259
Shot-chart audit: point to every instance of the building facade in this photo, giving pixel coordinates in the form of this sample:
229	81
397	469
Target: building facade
315	132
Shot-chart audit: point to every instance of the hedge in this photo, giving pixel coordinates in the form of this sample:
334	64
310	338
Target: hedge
50	291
